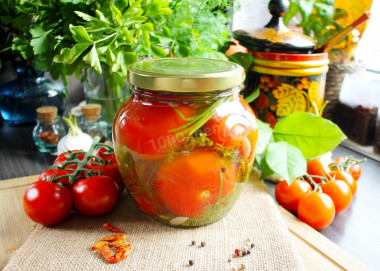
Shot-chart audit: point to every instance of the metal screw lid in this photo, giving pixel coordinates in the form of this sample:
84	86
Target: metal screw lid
185	74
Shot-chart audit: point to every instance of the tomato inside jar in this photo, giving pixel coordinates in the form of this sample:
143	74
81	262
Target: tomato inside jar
185	140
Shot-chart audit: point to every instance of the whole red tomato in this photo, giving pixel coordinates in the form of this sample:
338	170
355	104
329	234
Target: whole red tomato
96	195
289	196
339	192
318	167
47	203
63	158
354	169
112	171
346	177
317	210
191	182
234	126
48	175
102	152
144	126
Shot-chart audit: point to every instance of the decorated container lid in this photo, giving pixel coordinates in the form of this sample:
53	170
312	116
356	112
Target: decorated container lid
275	36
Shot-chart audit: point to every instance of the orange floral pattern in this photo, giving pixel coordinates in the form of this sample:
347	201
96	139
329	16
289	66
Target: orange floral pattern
279	96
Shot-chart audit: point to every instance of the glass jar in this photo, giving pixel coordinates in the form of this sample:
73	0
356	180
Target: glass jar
92	124
185	140
20	98
48	130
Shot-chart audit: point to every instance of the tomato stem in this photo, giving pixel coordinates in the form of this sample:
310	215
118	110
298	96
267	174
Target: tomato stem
316	186
180	113
197	121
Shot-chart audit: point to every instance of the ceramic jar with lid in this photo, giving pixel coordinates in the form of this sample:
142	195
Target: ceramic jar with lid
288	73
185	140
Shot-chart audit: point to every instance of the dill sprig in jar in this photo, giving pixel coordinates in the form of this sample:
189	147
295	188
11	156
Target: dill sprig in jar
185	140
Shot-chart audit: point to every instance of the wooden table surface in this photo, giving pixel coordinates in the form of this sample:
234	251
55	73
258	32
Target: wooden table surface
353	235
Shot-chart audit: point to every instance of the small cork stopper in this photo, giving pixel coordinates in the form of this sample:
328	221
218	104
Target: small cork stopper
47	112
91	110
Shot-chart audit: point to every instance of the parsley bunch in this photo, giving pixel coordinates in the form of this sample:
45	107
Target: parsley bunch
68	37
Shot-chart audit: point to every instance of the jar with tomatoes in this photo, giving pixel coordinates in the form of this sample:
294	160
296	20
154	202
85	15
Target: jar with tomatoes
185	140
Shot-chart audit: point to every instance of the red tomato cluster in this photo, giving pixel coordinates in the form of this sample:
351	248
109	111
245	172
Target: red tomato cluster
94	190
326	191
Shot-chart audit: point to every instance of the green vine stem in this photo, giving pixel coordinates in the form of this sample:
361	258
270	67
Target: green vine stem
196	122
72	159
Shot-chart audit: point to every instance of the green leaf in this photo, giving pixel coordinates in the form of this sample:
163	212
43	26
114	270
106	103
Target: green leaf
325	12
265	134
145	37
85	16
158	51
147	27
93	59
306	8
253	96
312	134
79	33
64	56
102	17
293	10
243	59
116	14
285	160
262	164
40	40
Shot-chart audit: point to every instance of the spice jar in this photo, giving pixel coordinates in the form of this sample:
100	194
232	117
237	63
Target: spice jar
287	70
92	124
185	140
48	130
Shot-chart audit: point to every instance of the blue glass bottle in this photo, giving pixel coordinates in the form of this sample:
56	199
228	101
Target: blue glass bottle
20	98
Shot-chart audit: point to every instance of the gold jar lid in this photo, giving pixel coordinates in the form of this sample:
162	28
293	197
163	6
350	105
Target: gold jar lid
47	112
91	110
185	74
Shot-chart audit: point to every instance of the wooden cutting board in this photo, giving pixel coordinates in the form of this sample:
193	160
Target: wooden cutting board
317	252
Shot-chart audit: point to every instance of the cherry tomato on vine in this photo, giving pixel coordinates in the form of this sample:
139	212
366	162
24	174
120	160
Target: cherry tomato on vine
96	195
289	196
238	129
102	153
63	158
317	210
143	129
339	192
191	182
346	177
318	167
111	171
355	170
47	203
48	175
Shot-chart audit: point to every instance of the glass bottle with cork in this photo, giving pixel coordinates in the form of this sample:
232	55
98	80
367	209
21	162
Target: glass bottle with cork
48	130
92	123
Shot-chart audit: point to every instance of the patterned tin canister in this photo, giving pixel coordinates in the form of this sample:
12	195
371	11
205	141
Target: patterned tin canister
288	73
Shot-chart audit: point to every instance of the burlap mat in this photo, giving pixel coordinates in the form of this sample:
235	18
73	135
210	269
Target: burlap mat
157	247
